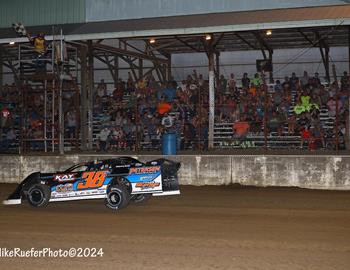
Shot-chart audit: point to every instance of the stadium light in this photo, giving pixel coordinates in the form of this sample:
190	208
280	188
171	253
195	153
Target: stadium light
208	37
152	41
268	32
12	43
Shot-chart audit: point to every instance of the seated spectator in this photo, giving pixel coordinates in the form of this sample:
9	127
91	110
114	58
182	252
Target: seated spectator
275	123
117	139
102	139
167	121
9	140
241	128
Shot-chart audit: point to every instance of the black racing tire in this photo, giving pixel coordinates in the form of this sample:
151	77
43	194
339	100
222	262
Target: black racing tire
118	196
140	198
38	195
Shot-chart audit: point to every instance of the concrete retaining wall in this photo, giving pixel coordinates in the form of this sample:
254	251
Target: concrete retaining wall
320	172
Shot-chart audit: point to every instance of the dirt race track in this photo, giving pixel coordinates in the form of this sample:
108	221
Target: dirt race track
204	228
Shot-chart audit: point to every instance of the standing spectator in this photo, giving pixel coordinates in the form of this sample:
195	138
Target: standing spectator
245	81
304	80
189	136
102	88
40	46
102	139
331	104
316	82
257	81
345	81
222	84
71	123
294	82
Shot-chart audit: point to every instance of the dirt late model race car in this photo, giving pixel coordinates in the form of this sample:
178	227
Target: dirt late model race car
118	181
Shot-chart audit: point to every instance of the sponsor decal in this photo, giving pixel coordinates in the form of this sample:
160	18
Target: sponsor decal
64	188
147	185
64	177
142	170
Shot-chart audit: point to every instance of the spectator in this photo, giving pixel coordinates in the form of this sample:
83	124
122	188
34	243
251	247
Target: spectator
102	89
331	104
276	123
167	121
345	81
71	119
40	46
241	128
245	81
256	81
304	80
293	82
102	139
9	140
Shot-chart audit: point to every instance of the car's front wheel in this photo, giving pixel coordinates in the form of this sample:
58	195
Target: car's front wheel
38	195
118	196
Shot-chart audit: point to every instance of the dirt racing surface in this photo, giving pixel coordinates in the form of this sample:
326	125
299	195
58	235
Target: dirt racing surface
203	228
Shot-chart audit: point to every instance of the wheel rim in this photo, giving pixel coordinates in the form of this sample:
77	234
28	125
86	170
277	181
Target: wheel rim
114	198
36	196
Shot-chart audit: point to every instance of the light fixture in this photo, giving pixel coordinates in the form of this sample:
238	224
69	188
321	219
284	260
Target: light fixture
268	32
207	37
12	43
152	41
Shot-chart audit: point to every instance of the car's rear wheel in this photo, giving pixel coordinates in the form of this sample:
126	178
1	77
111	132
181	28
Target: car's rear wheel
38	195
118	196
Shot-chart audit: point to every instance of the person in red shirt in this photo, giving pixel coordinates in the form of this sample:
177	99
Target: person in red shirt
241	128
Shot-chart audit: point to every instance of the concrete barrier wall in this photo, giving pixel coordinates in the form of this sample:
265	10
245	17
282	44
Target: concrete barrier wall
320	172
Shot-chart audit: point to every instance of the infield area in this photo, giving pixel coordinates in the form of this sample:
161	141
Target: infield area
203	228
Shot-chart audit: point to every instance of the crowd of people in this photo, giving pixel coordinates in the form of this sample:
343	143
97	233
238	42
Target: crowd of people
135	115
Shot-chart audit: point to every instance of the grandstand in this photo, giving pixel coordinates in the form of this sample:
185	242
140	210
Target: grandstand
64	108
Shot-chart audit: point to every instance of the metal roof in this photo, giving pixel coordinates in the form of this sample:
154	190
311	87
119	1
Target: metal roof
295	27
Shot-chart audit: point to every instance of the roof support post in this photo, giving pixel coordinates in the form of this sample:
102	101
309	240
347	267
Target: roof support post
169	75
140	69
211	99
1	70
116	70
217	73
83	108
349	49
90	89
271	72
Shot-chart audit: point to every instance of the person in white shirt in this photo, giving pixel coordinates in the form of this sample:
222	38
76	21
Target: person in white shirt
102	139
